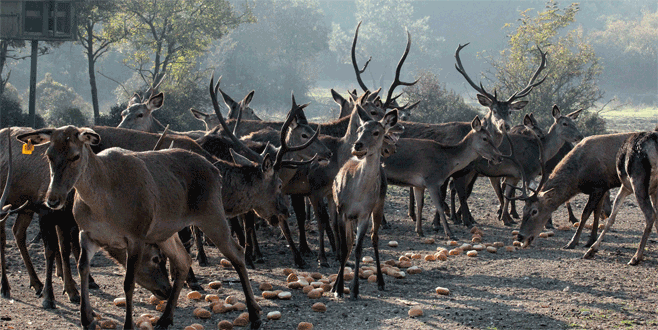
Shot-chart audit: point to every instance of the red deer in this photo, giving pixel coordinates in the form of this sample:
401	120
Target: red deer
637	161
358	192
178	188
590	169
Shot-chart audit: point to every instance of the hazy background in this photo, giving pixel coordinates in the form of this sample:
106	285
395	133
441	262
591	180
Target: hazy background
312	40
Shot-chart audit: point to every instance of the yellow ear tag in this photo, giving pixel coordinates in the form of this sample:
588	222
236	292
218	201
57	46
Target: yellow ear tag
28	147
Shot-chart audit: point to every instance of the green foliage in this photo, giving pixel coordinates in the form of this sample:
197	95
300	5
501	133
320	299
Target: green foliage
167	37
639	36
276	54
437	104
60	104
572	68
382	35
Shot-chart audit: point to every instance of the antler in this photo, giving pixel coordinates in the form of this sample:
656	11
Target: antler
5	211
397	82
279	162
356	67
460	68
252	155
161	138
532	84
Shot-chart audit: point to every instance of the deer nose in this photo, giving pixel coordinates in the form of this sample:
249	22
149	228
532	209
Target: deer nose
358	146
507	127
53	203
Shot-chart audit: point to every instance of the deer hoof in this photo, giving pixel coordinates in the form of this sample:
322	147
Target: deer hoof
48	304
634	261
5	293
256	324
589	254
92	284
74	297
570	246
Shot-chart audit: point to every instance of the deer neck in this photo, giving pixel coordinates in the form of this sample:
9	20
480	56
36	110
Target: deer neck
551	142
462	153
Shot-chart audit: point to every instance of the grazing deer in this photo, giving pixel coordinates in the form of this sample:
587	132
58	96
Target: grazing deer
426	164
563	130
358	194
637	161
590	169
177	188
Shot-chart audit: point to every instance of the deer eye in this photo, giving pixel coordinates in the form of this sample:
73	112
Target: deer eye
304	136
76	157
375	133
564	124
485	139
156	259
140	115
534	212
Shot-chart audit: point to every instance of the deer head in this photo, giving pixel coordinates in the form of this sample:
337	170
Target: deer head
139	114
499	110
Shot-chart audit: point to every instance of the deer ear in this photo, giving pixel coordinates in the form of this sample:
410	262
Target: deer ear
87	135
484	101
37	137
476	124
378	102
375	93
247	99
527	120
339	99
267	166
155	102
198	114
556	112
363	115
239	159
135	99
516	106
574	115
390	119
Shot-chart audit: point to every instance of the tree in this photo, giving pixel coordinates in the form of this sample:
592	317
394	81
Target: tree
437	103
629	48
382	36
572	68
167	37
275	55
60	104
95	41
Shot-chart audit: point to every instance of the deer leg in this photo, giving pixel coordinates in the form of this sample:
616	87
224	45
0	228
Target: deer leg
322	216
435	195
339	285
419	193
464	187
621	195
134	255
87	250
200	251
360	235
236	228
589	207
641	188
250	239
299	261
180	263
412	200
453	209
572	217
377	212
595	225
23	220
217	231
4	282
75	247
49	236
65	241
495	184
300	207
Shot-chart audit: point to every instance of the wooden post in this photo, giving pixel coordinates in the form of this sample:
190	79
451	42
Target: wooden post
33	83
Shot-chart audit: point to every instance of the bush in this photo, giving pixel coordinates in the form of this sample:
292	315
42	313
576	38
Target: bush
437	104
15	115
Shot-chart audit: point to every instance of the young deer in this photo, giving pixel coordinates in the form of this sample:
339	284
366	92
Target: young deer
637	163
357	195
177	188
426	164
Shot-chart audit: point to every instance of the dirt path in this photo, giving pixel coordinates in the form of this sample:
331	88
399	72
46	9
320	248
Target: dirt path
544	287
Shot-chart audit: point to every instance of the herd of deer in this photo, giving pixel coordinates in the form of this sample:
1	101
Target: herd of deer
131	199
